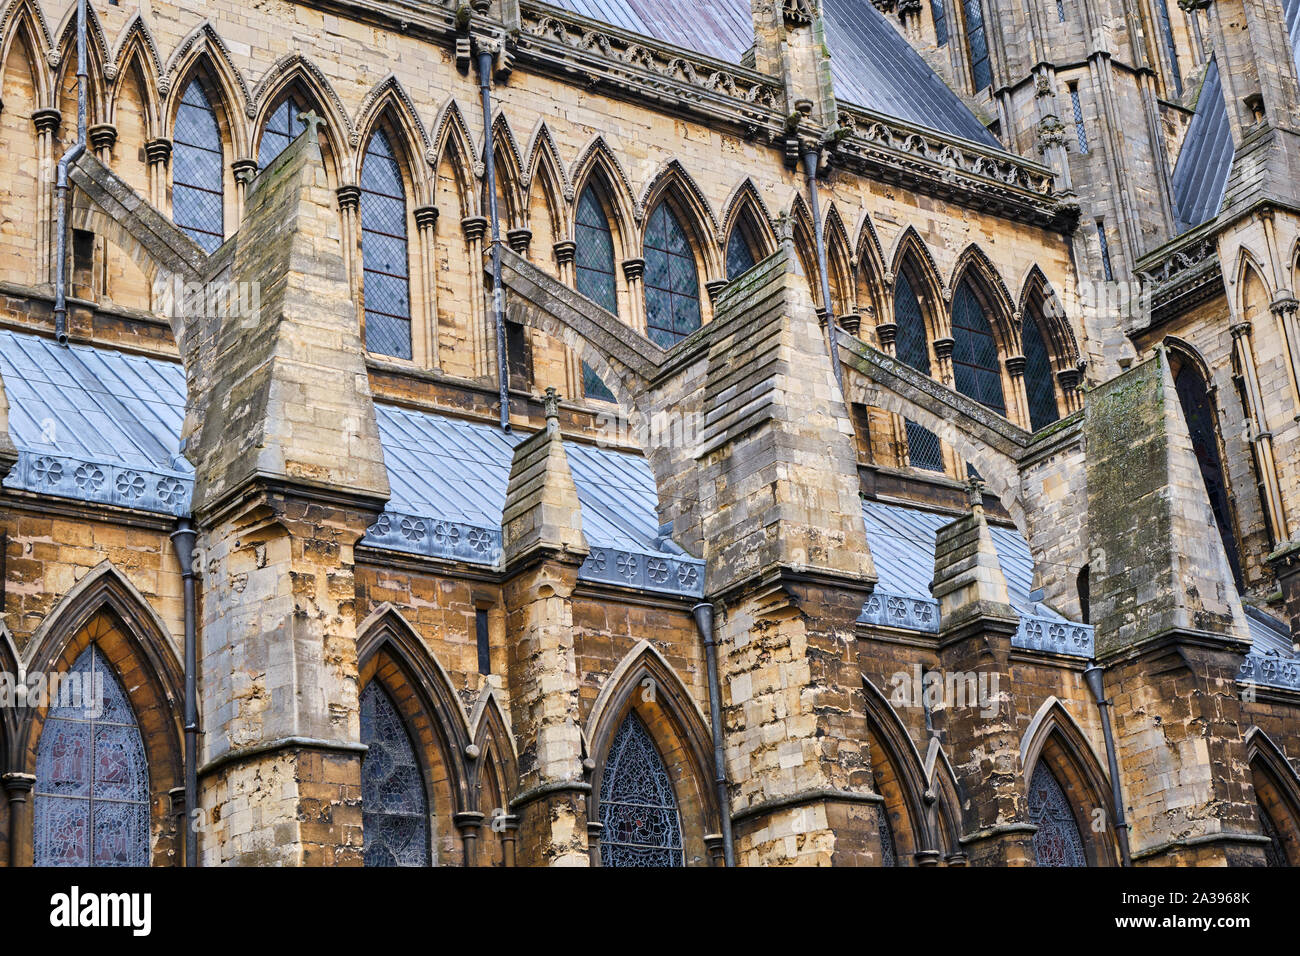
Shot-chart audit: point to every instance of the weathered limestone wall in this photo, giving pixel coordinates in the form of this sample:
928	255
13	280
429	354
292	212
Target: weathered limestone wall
289	474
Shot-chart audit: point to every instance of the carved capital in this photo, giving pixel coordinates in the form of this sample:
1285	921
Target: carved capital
426	217
1015	365
1241	329
244	170
943	347
886	333
474	227
102	136
519	240
1069	378
713	288
634	269
565	250
47	121
158	151
349	197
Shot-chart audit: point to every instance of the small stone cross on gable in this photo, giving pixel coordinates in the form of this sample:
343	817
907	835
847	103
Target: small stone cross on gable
311	123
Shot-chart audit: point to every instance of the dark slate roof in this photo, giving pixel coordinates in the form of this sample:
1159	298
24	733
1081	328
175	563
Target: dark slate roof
1201	172
872	65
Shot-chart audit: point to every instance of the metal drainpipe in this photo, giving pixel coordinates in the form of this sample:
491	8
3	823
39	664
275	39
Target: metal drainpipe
61	186
498	299
183	544
1093	676
704	624
810	174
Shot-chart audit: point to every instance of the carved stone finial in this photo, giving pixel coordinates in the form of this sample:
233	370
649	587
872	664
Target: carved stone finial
975	489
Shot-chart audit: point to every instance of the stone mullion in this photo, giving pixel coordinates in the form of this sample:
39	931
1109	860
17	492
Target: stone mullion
426	222
244	171
18	790
1262	440
158	152
1015	365
565	252
481	340
47	125
102	138
349	209
887	335
634	271
952	462
1285	310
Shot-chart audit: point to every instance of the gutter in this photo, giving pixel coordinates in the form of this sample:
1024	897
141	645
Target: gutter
183	544
498	295
1093	675
704	623
61	186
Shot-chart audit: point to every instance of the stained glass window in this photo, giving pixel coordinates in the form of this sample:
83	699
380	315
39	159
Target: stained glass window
384	257
1038	376
940	22
92	779
975	367
672	288
637	805
1202	424
978	44
593	263
740	257
394	809
923	448
1274	852
282	128
1057	842
888	855
198	170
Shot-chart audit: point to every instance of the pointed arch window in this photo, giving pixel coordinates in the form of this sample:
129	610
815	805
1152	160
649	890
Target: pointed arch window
1274	850
1038	376
975	367
198	170
923	448
282	128
394	808
672	287
940	22
593	264
1057	842
1202	424
638	807
977	44
92	778
741	256
888	854
384	257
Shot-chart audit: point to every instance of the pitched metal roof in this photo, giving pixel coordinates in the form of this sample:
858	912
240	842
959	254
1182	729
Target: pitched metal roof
871	64
449	477
1201	173
902	546
95	425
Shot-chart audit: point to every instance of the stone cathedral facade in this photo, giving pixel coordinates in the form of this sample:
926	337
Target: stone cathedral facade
752	432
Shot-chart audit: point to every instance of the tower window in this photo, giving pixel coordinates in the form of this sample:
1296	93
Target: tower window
977	44
384	258
1080	131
